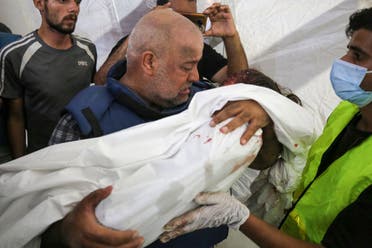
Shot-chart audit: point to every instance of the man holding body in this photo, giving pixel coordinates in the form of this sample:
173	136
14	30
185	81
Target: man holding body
334	201
42	72
159	81
212	65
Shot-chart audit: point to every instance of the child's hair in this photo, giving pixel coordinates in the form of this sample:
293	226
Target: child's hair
255	77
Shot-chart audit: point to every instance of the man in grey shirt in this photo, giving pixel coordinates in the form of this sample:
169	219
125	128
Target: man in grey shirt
41	73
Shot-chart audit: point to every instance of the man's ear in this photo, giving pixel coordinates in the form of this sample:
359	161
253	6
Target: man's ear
39	4
149	62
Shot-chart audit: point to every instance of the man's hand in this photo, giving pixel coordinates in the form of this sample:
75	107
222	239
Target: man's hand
217	209
80	228
222	22
223	26
245	111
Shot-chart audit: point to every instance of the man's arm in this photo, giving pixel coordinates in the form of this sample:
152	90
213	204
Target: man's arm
222	209
80	228
118	54
266	235
16	126
222	25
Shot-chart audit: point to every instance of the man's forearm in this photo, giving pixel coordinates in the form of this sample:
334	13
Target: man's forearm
119	54
16	136
237	60
265	235
52	237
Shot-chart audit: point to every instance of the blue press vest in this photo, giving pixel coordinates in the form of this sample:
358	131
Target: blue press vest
101	110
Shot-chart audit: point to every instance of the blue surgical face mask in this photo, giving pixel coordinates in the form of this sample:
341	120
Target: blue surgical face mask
346	79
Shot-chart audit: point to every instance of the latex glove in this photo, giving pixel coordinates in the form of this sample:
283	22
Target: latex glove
217	209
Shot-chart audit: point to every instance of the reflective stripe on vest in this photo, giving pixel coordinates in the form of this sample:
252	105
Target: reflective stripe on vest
336	188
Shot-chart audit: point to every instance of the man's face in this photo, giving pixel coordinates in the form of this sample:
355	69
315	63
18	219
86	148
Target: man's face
360	53
183	5
176	73
61	15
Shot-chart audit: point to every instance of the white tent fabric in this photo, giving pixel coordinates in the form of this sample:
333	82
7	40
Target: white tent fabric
156	168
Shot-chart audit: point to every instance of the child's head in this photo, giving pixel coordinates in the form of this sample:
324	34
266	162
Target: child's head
255	77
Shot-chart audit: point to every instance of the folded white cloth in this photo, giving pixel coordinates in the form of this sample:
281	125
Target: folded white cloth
156	168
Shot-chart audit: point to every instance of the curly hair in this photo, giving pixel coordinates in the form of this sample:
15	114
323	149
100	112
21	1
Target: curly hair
358	20
255	77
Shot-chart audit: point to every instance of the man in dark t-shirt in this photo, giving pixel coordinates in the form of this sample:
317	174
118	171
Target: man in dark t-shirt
41	73
212	66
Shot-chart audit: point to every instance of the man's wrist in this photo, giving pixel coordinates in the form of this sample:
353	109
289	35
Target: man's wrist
231	37
53	236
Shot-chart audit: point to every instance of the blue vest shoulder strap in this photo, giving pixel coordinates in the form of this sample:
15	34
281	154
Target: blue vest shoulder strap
88	106
6	38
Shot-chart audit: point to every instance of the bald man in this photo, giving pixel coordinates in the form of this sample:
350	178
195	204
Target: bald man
212	66
159	80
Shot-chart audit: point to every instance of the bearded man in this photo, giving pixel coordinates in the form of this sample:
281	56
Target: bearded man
41	72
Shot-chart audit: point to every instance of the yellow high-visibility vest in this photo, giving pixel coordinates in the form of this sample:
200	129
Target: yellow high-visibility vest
336	188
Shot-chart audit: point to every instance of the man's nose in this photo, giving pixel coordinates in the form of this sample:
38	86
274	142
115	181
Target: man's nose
73	7
194	75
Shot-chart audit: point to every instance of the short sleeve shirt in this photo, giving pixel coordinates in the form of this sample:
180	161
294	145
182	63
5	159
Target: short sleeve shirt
210	63
46	78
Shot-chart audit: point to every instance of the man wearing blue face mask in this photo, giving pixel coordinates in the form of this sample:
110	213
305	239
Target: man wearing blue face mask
346	78
333	203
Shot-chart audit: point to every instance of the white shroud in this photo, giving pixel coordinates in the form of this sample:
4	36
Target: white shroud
156	168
